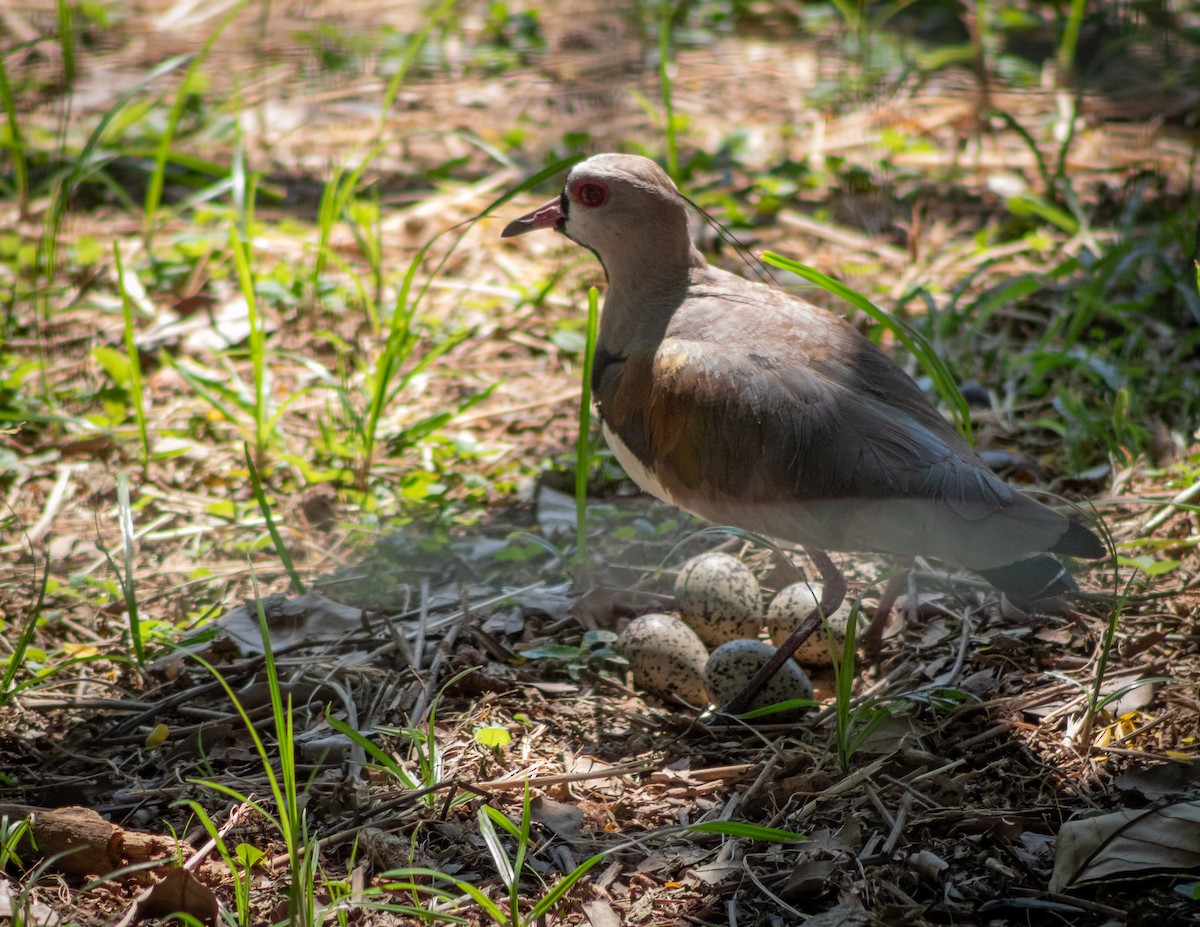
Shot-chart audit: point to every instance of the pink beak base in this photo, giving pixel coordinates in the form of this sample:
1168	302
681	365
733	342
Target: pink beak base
544	217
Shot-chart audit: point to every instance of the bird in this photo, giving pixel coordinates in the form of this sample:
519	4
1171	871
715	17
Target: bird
751	407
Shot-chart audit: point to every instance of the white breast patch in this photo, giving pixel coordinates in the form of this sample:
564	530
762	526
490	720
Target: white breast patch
635	468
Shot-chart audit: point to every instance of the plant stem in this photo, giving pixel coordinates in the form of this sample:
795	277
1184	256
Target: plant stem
583	441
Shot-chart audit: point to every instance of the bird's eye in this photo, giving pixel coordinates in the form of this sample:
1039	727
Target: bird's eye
591	194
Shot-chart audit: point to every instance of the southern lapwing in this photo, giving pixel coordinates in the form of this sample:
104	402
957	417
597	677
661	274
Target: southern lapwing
751	407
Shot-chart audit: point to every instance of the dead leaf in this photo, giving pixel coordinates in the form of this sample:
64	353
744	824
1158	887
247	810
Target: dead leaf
566	821
844	915
1161	780
178	892
303	620
601	914
1127	843
810	879
16	906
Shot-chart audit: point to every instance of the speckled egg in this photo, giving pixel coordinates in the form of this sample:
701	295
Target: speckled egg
666	657
733	665
790	606
718	596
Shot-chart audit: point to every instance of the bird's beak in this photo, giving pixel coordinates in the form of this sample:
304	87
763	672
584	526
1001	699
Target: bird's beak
544	217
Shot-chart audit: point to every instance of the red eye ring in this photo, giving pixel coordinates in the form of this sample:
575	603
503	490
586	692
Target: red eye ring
591	194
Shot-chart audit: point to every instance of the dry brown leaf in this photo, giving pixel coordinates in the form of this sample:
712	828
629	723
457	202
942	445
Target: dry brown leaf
1161	780
1127	843
565	820
601	914
178	892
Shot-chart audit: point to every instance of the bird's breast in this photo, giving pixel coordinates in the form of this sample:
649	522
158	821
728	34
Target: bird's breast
637	471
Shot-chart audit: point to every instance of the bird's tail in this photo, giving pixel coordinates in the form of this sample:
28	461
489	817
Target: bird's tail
1037	577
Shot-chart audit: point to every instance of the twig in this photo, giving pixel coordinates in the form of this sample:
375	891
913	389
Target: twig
1186	497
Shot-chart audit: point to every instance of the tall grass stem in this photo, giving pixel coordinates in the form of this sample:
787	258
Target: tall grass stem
137	392
583	440
15	142
241	258
667	16
908	336
128	589
264	506
154	189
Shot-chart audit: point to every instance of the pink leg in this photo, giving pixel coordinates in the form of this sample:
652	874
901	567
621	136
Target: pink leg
831	600
872	639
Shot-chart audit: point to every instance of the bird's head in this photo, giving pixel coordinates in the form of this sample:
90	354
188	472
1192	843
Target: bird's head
623	207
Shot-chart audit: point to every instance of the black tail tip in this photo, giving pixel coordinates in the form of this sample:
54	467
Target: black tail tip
1036	577
1080	541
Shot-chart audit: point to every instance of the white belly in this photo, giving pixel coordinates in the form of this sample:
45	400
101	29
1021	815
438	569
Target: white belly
635	468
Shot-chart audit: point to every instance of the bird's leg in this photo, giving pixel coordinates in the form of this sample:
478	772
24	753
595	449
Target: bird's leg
831	600
872	639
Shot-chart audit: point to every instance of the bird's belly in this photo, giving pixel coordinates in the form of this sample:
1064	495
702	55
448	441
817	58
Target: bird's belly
774	518
635	469
840	524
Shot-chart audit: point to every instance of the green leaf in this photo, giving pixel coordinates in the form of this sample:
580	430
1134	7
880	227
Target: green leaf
598	636
493	737
553	652
1149	565
115	364
1028	205
747	831
248	855
779	707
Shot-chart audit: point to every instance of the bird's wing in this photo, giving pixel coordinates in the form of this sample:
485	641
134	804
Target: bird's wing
805	451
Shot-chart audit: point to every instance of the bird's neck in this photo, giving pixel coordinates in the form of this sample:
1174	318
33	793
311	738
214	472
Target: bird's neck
643	295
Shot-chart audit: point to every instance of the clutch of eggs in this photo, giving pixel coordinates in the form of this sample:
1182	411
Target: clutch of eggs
720	607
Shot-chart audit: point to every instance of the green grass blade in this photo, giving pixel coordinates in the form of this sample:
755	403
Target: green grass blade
246	280
125	518
1034	148
555	895
66	42
81	167
157	177
583	441
1029	205
398	345
415	45
491	839
15	142
666	18
16	659
334	198
746	831
409	872
374	751
912	339
135	361
843	674
1065	55
264	506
